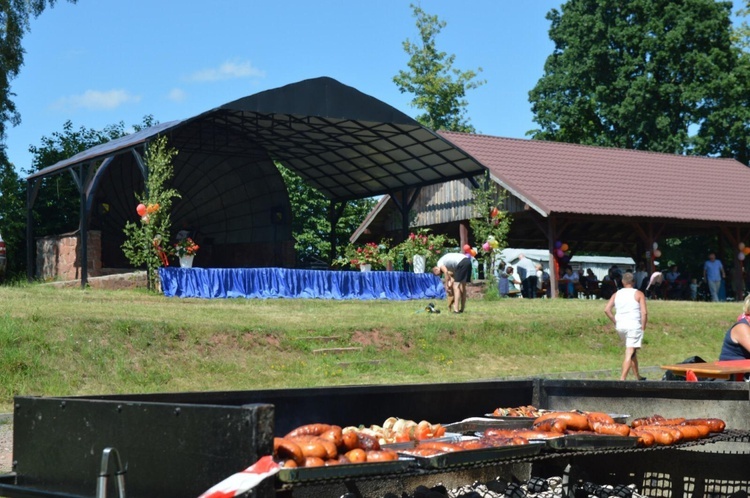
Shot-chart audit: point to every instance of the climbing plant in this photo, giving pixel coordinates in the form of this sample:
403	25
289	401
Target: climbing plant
147	238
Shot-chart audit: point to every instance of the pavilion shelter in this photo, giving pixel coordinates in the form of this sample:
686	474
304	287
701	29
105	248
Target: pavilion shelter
346	144
595	199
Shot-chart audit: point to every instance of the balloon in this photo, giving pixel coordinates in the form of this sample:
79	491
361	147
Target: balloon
494	244
564	247
467	248
144	218
741	245
486	247
746	250
558	244
559	253
656	246
473	253
741	256
494	212
140	209
657	253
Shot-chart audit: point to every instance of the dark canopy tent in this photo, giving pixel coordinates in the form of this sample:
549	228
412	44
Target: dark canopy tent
346	144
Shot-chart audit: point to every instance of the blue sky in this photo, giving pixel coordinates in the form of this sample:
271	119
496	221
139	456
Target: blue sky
99	62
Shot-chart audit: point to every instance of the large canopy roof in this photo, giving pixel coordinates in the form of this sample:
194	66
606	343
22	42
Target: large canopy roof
344	143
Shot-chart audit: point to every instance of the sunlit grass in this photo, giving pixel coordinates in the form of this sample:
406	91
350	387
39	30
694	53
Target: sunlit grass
72	342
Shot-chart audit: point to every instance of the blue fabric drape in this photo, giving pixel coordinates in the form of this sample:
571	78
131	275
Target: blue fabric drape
266	283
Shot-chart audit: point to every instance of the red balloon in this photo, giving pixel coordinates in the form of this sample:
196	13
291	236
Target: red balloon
467	248
140	209
494	212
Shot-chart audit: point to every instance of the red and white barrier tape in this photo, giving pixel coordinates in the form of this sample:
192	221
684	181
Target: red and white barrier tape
244	481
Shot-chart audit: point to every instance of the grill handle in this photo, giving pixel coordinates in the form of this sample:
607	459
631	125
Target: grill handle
104	473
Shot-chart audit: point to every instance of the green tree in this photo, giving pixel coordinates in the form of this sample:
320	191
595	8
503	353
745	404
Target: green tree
15	16
146	239
13	218
637	74
310	224
490	222
726	131
439	89
57	207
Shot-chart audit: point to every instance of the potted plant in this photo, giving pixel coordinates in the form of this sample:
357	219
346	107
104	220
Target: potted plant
422	248
365	257
186	249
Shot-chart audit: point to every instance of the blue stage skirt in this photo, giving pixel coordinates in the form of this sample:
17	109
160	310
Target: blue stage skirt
266	283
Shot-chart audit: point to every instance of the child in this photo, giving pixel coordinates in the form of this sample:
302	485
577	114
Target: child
694	289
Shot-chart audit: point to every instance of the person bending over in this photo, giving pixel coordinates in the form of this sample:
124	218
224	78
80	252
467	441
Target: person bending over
630	321
457	270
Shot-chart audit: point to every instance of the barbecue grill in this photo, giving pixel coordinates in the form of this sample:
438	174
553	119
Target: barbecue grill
180	444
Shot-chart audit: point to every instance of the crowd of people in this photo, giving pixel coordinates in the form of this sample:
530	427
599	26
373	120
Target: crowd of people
626	295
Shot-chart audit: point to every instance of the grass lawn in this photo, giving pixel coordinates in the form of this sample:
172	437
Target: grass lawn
71	342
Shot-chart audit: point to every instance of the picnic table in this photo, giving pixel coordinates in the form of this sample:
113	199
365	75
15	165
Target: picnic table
729	369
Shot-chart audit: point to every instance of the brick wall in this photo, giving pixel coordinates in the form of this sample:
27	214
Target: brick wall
58	257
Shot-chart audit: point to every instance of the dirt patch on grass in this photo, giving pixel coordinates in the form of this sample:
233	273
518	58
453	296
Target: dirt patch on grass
379	340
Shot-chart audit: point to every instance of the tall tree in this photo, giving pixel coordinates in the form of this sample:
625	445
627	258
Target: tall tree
726	132
638	74
57	207
310	225
14	23
13	219
439	89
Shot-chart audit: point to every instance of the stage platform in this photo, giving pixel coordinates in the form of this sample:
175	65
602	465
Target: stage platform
265	283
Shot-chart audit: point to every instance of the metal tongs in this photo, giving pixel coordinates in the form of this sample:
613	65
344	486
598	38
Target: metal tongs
104	473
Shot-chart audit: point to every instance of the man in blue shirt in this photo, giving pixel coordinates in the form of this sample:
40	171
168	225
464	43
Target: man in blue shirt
713	274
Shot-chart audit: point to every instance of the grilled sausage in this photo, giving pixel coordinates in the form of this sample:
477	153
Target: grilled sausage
599	417
381	456
309	430
334	435
646	420
574	421
357	455
645	439
613	429
349	440
314	462
285	449
440	446
551	424
714	424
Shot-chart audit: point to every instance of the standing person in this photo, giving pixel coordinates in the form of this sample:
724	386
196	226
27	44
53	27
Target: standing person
713	274
527	271
457	270
630	322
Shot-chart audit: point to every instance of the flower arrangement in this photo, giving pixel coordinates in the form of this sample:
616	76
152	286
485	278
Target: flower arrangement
423	243
370	253
186	247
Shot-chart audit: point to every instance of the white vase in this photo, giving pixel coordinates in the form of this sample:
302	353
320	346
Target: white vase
418	263
365	267
186	261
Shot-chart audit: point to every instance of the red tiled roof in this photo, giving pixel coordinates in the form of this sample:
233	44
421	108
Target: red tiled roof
555	177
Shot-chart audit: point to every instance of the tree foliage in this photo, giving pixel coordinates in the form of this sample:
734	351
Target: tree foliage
57	207
310	224
14	23
147	238
489	221
439	89
13	219
658	75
